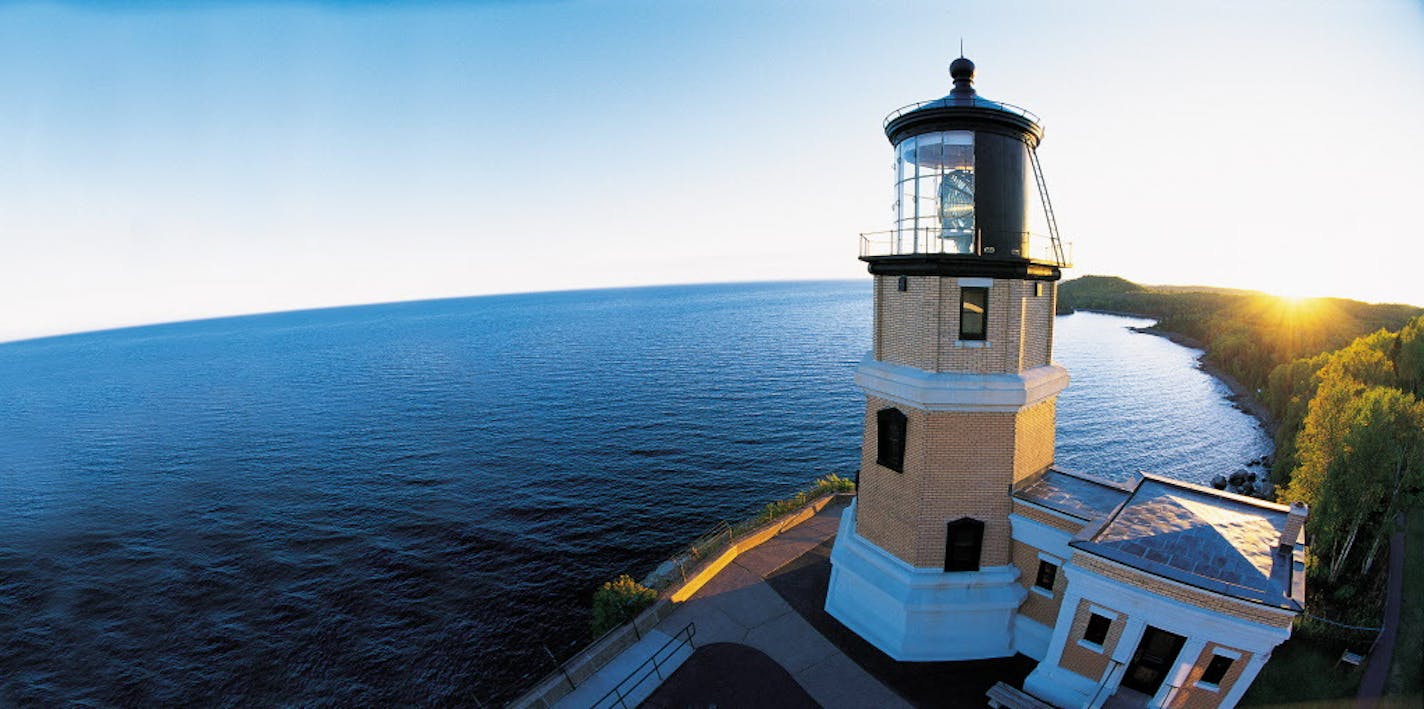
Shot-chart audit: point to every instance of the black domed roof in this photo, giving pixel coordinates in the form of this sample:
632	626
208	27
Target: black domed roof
963	109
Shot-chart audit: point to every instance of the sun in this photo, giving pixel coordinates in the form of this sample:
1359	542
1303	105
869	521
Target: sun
1293	299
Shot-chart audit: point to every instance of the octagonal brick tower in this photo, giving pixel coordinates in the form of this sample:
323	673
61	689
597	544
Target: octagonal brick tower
960	387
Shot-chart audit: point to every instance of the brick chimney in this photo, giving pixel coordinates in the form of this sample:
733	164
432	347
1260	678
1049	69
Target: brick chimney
1295	522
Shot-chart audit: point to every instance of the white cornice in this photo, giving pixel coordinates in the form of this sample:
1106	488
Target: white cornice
1179	617
957	391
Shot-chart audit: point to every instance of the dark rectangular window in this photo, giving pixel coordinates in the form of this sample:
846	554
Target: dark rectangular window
1216	669
962	543
1097	630
890	439
1047	572
973	307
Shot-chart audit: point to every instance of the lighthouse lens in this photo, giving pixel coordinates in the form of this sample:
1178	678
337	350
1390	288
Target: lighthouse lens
934	211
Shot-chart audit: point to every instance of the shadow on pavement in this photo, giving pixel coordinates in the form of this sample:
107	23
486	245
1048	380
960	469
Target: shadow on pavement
803	583
730	675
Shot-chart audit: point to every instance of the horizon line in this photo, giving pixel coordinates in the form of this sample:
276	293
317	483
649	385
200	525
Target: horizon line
366	304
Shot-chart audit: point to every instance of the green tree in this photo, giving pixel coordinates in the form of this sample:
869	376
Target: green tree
1374	473
1409	360
1344	376
618	602
1289	391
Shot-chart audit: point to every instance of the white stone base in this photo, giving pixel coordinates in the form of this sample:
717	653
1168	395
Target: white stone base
920	615
1031	637
1059	687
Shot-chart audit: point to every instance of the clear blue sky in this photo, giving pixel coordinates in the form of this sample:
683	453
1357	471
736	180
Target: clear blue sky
161	163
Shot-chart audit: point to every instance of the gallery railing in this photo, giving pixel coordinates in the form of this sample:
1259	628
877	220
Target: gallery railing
974	101
902	242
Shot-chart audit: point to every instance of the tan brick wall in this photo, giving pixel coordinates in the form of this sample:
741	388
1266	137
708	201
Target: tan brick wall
1202	599
1034	438
887	501
1042	517
1035	606
1037	324
969	459
1191	697
1081	660
920	327
957	464
1045	313
907	324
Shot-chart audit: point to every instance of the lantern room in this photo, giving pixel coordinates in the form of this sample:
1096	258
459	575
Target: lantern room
966	176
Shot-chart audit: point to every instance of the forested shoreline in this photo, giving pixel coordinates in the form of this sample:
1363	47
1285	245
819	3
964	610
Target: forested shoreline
1343	382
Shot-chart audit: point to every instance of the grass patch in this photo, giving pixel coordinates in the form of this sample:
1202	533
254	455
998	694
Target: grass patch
1305	671
824	486
1406	672
715	540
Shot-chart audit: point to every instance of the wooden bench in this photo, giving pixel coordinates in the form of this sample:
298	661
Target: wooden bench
1003	696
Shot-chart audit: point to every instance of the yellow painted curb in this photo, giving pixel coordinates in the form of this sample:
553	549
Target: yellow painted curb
747	543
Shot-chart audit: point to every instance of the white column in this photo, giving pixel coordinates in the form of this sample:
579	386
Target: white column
1243	682
1117	662
1127	642
1186	659
1066	610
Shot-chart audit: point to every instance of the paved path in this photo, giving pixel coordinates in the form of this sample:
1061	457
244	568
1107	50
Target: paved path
738	606
1377	668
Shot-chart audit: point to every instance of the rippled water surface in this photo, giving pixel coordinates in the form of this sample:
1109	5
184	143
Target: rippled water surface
1137	402
405	503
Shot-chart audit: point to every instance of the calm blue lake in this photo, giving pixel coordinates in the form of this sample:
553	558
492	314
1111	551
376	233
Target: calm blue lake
404	504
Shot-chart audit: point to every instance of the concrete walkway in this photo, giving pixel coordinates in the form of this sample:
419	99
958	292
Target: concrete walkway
1377	669
738	606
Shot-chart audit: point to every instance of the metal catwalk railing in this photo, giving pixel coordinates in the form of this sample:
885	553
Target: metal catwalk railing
965	101
901	242
617	697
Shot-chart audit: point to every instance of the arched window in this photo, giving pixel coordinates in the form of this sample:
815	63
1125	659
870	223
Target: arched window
962	543
890	439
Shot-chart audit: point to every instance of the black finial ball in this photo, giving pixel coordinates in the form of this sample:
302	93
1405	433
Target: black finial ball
961	69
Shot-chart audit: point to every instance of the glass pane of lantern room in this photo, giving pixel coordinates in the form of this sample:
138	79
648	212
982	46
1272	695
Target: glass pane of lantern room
927	151
905	196
905	226
953	190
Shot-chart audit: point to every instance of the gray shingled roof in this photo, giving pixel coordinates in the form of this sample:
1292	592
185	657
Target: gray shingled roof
1076	495
1198	536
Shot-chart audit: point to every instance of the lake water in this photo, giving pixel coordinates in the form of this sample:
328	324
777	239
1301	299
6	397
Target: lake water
405	504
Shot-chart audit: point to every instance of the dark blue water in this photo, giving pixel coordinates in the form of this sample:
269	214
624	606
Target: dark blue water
406	503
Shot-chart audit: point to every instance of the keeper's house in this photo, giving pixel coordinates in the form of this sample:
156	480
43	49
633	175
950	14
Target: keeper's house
964	541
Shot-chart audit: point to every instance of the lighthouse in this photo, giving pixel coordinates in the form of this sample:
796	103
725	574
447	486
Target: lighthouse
960	387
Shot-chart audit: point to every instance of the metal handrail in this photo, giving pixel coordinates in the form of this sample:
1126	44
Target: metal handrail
689	630
975	101
927	240
1106	678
